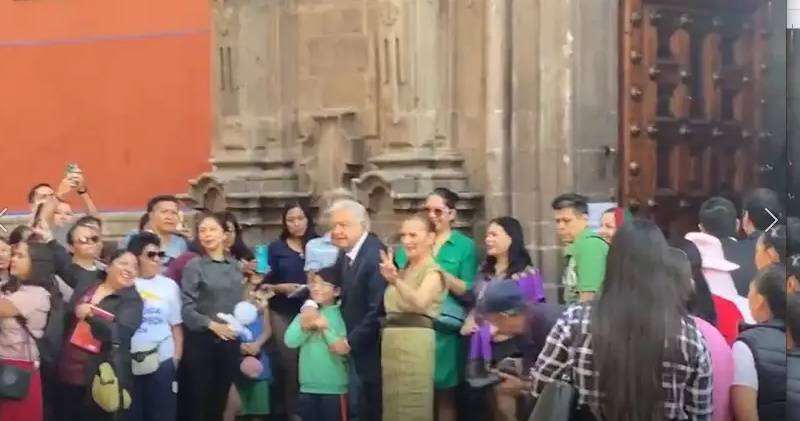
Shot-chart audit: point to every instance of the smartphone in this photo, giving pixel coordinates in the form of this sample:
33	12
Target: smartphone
72	168
512	366
262	259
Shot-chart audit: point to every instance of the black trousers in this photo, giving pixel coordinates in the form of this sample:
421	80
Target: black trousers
317	407
76	404
370	401
209	367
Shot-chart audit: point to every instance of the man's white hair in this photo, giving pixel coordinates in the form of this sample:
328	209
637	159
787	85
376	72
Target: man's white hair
356	209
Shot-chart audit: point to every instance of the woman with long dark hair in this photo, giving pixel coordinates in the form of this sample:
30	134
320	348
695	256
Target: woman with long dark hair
700	302
759	354
506	258
718	348
211	285
287	275
234	241
634	353
111	309
25	301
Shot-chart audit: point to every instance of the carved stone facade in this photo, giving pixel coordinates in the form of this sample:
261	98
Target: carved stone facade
507	102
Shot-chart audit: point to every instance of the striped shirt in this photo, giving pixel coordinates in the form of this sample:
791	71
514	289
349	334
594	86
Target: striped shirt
687	382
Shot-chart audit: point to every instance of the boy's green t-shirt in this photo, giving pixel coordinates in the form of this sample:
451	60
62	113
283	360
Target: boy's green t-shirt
321	371
586	265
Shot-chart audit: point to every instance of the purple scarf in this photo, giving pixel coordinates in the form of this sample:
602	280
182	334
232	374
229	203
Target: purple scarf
532	286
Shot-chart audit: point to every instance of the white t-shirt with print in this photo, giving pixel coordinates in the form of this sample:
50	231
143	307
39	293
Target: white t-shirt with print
162	311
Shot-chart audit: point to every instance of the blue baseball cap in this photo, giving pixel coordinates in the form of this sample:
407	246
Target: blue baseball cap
501	296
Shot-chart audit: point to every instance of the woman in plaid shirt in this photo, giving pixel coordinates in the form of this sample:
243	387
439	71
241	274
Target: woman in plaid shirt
634	353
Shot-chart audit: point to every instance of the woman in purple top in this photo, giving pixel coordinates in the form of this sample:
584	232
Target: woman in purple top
506	258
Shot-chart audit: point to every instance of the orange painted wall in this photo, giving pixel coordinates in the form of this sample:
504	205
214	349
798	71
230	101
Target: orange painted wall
121	87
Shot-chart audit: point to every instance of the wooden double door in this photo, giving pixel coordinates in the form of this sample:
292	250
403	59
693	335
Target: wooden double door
692	103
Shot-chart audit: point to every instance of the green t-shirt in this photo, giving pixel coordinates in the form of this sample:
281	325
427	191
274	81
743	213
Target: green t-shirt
457	256
321	371
586	265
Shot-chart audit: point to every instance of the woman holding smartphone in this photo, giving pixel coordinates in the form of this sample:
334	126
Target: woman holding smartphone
287	275
112	309
211	284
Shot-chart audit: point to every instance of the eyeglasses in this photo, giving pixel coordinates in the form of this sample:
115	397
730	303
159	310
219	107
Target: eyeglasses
436	211
89	240
154	254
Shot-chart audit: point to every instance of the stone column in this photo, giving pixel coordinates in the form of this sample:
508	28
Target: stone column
416	53
563	110
254	59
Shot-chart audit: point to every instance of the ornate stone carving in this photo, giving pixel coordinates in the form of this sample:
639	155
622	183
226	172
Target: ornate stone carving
416	53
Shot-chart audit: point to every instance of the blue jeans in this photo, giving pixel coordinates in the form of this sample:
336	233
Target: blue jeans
317	407
152	397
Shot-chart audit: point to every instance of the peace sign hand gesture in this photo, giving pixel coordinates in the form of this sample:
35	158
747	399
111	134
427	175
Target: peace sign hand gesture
388	269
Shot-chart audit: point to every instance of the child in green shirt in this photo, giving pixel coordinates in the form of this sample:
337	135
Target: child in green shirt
323	373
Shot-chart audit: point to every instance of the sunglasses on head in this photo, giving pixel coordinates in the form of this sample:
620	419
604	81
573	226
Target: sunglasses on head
154	254
89	240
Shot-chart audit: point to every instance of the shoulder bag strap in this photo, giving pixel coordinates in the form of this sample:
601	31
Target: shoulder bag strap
24	324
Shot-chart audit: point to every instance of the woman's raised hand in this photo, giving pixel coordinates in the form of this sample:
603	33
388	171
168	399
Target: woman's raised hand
388	269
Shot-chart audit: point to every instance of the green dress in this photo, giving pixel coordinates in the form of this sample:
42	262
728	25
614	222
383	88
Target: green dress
458	257
408	355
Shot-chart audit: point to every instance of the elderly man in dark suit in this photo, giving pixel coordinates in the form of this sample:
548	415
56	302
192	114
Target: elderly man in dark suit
361	305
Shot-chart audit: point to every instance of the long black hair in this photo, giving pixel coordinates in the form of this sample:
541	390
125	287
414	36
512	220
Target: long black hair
310	233
639	308
518	257
770	282
239	249
700	303
43	270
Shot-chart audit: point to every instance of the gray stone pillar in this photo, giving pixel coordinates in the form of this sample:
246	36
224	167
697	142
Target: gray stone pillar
254	89
416	48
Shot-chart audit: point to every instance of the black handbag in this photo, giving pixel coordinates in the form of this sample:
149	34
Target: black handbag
15	381
558	401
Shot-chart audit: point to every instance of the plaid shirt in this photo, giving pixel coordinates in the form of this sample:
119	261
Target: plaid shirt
687	383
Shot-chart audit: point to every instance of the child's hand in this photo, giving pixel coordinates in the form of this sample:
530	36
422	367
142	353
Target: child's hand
340	347
250	348
308	318
321	323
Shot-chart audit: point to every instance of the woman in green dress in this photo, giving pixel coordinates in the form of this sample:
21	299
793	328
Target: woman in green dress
412	301
456	255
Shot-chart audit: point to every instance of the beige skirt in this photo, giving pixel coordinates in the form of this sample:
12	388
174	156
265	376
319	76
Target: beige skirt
408	356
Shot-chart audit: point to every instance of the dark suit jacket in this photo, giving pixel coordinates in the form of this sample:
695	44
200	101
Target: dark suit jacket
362	307
742	253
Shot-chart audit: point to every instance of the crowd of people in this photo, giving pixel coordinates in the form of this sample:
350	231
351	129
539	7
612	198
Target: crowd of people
171	324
